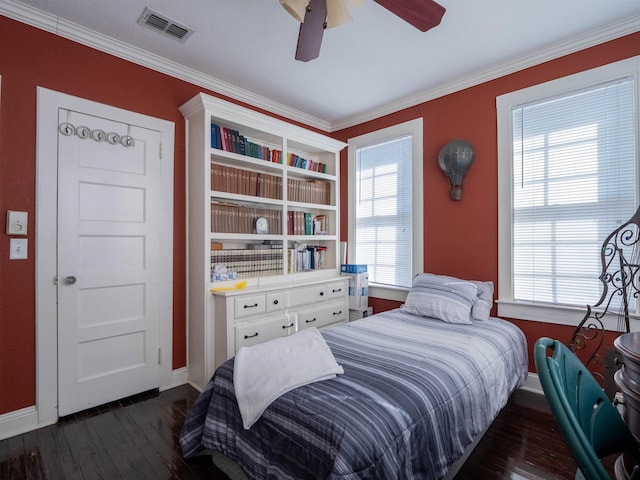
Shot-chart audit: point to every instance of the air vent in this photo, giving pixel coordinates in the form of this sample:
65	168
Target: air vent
163	24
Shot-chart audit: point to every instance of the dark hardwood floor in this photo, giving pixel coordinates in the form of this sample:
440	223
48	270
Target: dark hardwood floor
137	438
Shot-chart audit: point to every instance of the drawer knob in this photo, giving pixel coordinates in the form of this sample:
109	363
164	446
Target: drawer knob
321	294
338	313
251	306
251	336
284	327
310	321
275	302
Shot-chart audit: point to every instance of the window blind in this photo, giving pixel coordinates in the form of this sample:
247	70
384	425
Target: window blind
574	182
383	211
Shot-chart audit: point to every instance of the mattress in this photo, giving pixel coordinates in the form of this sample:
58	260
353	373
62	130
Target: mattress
414	394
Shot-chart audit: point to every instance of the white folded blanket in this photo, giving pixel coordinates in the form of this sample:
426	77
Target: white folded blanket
265	371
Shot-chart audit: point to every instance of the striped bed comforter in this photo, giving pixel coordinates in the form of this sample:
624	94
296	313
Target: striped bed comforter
414	393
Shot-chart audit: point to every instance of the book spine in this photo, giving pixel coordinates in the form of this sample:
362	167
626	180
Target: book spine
308	224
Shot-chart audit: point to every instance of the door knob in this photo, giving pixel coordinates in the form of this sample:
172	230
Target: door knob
70	280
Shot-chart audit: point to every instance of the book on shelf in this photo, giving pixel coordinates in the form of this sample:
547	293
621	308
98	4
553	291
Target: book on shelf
231	140
216	141
304	258
294	160
309	191
320	225
295	223
245	182
305	223
266	245
224	139
308	223
245	263
235	141
234	218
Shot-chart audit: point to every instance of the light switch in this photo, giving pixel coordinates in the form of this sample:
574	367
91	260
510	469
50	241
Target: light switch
17	222
18	248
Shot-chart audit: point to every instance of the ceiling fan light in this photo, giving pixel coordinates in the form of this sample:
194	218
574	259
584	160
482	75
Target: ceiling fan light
337	13
296	8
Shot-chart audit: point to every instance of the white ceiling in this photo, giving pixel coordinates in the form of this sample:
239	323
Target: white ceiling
374	65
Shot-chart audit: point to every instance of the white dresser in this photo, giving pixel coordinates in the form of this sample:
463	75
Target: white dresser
256	314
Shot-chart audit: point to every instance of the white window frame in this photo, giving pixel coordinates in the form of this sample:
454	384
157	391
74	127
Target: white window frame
507	306
415	129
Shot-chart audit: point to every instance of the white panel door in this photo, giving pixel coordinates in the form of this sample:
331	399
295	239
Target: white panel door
108	260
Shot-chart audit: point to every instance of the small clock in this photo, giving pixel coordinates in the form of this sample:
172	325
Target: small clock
262	226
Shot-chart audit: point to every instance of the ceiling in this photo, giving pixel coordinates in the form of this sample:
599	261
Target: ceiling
374	65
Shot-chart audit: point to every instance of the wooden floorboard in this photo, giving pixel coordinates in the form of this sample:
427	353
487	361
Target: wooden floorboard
138	438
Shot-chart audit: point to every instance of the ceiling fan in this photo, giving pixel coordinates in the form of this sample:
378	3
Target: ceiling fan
316	15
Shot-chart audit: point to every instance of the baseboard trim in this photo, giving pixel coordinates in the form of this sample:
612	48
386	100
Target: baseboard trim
25	420
532	384
178	377
18	422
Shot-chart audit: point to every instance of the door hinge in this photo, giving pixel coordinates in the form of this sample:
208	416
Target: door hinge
159	356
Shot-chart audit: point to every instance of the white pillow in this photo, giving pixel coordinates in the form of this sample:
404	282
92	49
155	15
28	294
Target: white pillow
482	308
263	372
445	298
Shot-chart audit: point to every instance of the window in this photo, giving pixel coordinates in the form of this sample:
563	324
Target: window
567	175
385	206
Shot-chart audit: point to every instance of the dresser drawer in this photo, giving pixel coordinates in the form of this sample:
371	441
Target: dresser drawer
336	290
250	305
322	315
302	296
268	328
329	291
276	301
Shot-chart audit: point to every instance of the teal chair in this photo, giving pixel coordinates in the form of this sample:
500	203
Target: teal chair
589	422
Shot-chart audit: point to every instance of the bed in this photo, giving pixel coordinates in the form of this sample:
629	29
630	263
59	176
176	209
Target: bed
415	393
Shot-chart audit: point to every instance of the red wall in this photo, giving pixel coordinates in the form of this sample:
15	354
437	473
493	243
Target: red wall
461	238
30	58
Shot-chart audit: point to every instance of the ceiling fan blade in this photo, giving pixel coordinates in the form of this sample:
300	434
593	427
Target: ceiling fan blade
422	14
310	36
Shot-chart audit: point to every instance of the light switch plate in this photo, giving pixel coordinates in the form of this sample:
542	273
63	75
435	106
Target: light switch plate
18	248
17	222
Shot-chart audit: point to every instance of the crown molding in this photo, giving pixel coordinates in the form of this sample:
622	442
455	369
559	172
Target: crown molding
77	33
560	49
72	31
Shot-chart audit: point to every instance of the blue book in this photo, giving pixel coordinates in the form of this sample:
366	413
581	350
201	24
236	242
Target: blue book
215	136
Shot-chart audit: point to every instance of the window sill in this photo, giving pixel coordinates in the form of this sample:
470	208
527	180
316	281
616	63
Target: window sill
388	292
557	314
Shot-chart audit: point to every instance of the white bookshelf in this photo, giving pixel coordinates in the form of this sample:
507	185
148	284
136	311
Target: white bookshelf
236	203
